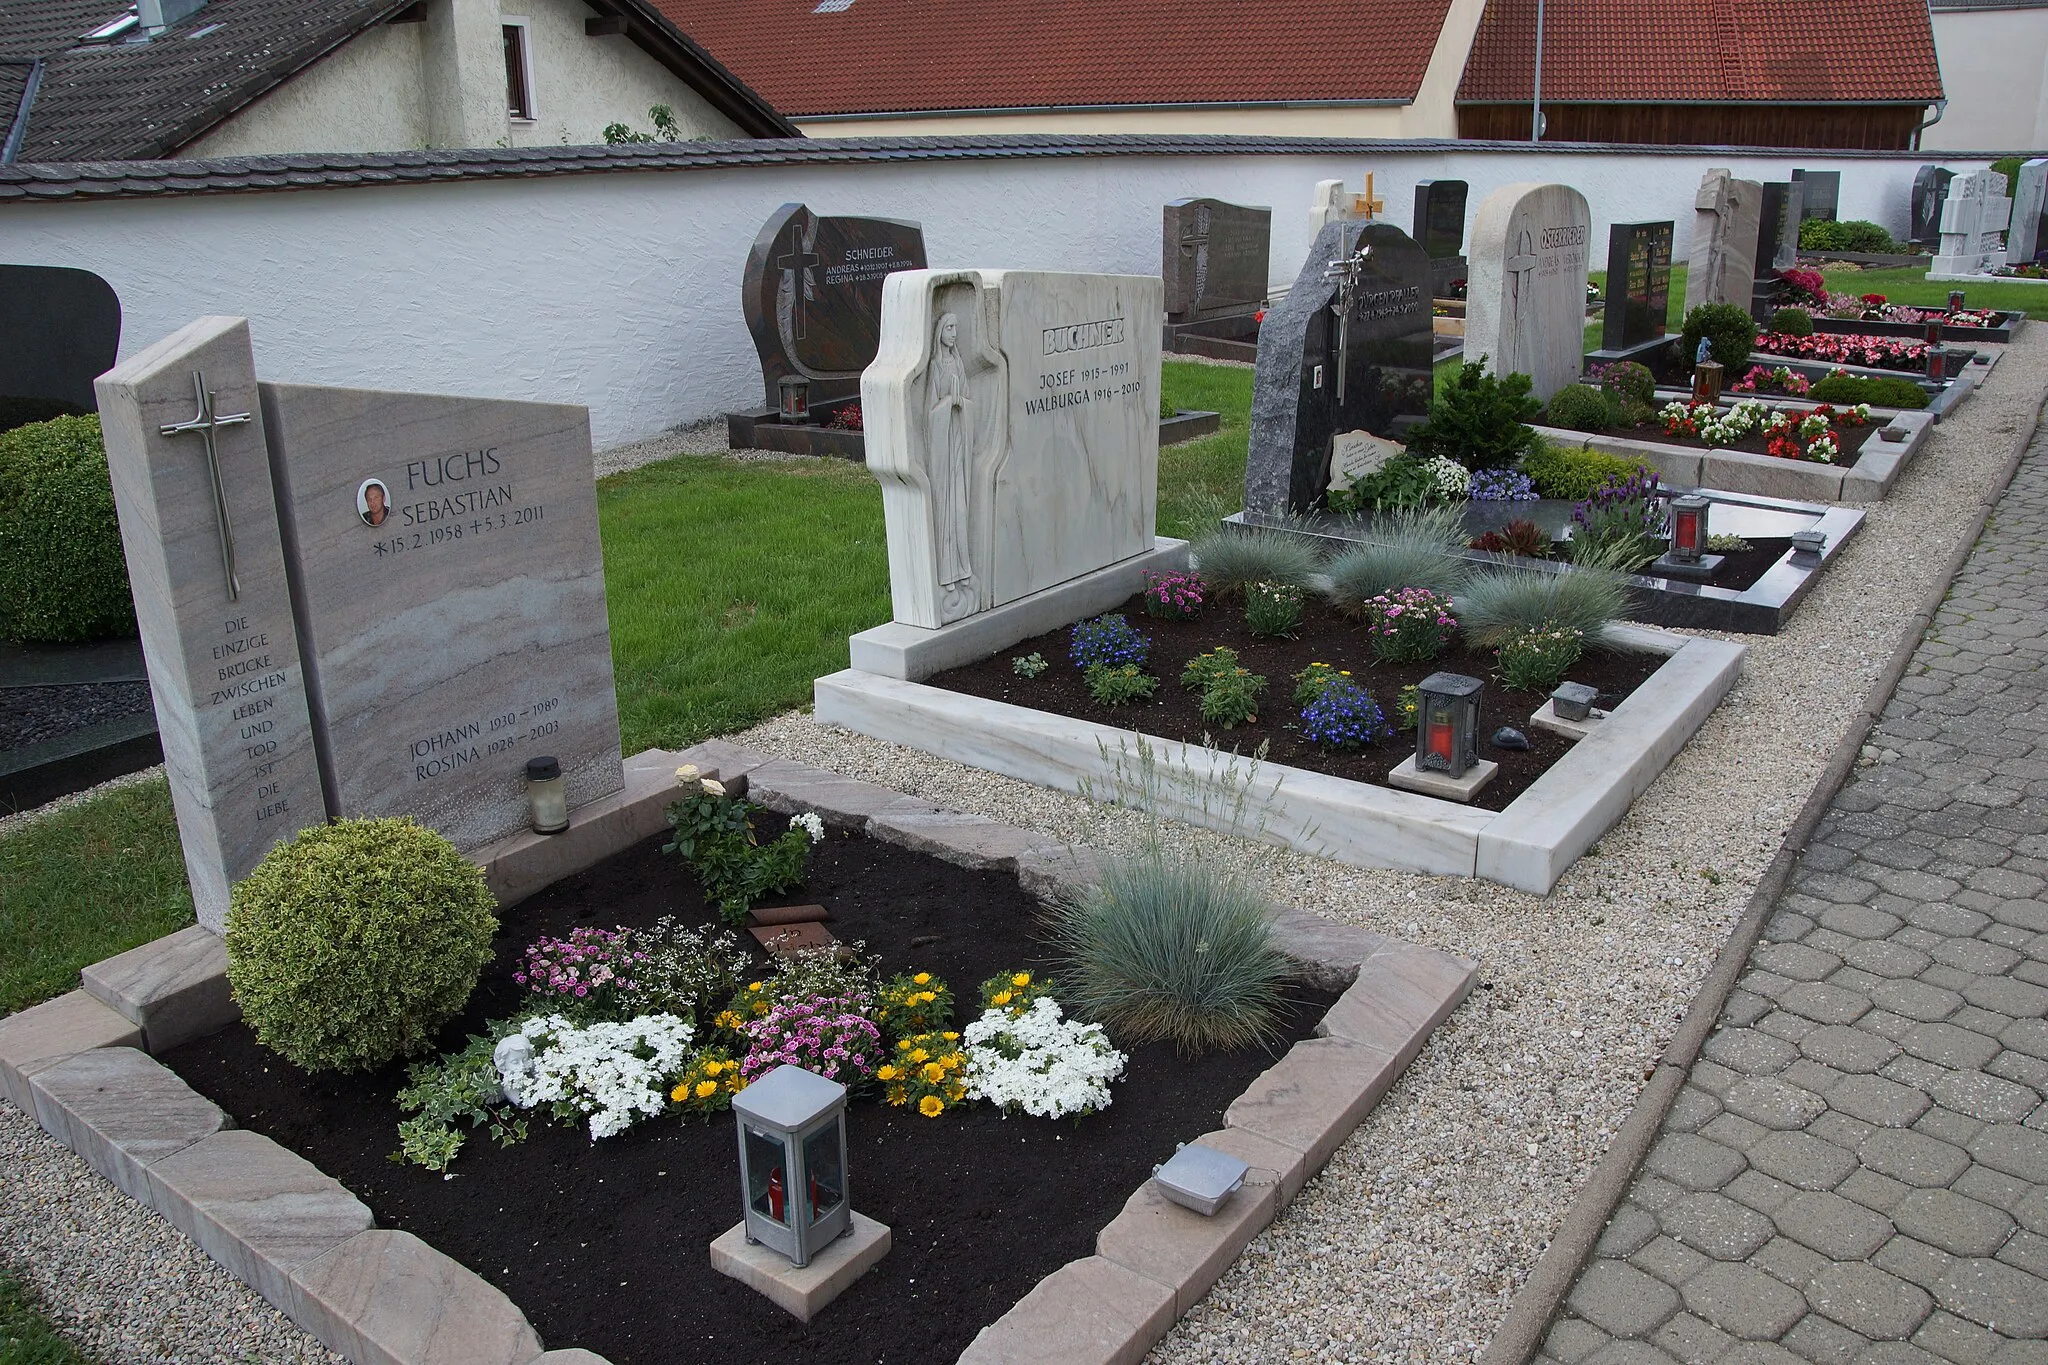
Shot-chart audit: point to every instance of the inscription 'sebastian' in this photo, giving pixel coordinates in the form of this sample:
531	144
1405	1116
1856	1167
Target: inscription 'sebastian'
1082	336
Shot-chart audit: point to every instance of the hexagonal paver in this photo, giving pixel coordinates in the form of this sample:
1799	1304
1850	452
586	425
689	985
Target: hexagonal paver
2010	1302
1743	1301
1913	1157
1801	1159
1865	1299
1796	960
1716	1225
1916	999
2018	1151
1770	1101
1877	1100
1962	1227
1749	1051
1628	1231
1622	1300
1695	1162
1947	1045
1835	1227
1824	1004
1985	1097
1848	1049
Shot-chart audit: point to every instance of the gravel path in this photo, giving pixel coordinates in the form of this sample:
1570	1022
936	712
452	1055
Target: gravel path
1410	1244
701	438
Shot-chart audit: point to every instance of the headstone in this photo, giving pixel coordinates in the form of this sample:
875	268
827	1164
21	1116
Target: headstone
1013	420
1348	351
1973	221
1726	215
207	569
1777	241
1525	305
1823	194
1215	258
2025	240
1930	188
1332	204
1638	284
62	329
461	629
812	294
1440	228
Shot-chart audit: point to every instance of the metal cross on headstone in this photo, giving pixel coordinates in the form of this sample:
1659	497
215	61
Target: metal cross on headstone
206	422
798	261
1199	240
1519	267
1349	273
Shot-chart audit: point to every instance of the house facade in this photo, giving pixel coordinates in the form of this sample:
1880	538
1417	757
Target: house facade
1994	63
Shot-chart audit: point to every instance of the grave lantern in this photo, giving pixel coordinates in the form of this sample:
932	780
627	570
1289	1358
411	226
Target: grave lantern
796	399
1937	362
1955	300
1689	528
1706	382
1447	723
792	1131
1934	334
547	800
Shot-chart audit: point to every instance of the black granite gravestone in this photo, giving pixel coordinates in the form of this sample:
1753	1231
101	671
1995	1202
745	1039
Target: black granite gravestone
1823	194
1214	257
812	295
1322	372
1638	284
1440	228
1777	240
59	330
1930	188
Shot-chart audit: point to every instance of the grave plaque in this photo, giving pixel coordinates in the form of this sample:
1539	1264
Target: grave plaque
1722	267
1823	194
812	294
63	330
450	595
192	485
1348	351
1214	259
1638	284
1930	188
1013	420
1440	228
2025	241
1526	305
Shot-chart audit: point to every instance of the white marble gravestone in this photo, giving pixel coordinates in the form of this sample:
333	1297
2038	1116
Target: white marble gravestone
1726	220
2029	199
224	667
1013	420
1332	204
465	631
1525	308
1973	222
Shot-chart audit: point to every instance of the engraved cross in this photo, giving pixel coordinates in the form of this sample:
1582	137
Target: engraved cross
799	261
206	422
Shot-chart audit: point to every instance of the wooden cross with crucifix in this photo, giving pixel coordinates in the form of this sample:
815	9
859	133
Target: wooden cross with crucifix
1368	207
206	422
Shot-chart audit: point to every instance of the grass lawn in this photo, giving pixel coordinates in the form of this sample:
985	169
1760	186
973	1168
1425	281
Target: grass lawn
26	1337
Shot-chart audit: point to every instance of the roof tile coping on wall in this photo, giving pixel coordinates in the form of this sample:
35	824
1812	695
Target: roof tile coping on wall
29	182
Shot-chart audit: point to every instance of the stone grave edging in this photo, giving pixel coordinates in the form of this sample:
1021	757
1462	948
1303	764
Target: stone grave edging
1521	1331
384	1297
1738	471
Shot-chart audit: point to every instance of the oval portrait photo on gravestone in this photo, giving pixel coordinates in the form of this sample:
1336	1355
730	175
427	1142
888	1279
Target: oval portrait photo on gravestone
373	502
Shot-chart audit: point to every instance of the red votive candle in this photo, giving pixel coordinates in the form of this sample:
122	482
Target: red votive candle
1440	737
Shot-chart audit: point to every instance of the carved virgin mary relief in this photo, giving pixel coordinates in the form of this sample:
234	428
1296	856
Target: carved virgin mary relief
949	412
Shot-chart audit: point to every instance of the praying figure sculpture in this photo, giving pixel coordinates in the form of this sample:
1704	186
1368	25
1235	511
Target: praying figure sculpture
950	428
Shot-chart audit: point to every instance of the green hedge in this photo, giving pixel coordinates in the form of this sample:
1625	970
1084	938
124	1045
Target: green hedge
1573	472
1881	392
62	575
1858	235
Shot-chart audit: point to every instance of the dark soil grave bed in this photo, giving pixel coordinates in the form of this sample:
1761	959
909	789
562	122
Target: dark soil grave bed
605	1245
1740	569
1849	439
1174	712
32	715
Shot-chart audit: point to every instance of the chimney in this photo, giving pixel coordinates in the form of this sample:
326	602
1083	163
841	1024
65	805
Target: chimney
158	15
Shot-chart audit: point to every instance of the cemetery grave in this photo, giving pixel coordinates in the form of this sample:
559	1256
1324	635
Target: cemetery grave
1214	258
1974	217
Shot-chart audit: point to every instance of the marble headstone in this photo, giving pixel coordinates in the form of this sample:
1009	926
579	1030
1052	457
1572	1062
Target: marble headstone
1638	284
1525	307
224	666
1013	421
1973	222
1930	188
1440	228
812	295
1722	266
62	330
461	629
1300	410
1823	194
1214	258
1335	204
2024	240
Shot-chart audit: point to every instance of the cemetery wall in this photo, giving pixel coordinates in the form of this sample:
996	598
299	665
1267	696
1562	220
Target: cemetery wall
620	289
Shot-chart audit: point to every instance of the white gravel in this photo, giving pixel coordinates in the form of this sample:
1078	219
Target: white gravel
24	817
699	438
1410	1244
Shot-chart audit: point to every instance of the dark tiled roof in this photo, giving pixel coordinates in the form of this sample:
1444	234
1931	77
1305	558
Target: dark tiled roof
896	55
1769	51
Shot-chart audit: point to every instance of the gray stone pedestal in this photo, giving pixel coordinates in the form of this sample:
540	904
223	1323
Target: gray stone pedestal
801	1290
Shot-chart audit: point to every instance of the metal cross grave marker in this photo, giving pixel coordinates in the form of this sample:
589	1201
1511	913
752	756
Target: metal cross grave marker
1348	273
206	422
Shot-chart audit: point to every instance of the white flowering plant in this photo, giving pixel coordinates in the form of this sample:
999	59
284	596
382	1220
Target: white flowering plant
1452	481
614	1074
1040	1062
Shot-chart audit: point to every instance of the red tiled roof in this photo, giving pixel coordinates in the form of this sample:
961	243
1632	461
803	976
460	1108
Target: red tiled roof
879	56
1775	51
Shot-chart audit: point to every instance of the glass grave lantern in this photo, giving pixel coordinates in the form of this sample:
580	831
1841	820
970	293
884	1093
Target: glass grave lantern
795	391
1689	528
1706	382
1955	300
1447	723
547	799
792	1131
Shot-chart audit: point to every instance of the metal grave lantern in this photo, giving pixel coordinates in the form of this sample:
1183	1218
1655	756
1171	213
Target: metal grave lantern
795	392
1689	528
1447	723
1955	300
792	1130
1706	382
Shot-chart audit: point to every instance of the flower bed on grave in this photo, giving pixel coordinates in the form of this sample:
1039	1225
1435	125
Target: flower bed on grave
1877	308
1839	348
597	1221
1823	434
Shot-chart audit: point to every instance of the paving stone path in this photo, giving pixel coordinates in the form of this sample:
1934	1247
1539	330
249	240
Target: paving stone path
1856	1171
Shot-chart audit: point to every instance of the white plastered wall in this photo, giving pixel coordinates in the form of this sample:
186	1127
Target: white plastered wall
1994	70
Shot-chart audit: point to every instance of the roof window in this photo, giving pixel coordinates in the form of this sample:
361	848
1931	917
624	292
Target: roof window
833	6
108	32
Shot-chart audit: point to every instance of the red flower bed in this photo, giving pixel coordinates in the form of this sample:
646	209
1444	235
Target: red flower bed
1835	348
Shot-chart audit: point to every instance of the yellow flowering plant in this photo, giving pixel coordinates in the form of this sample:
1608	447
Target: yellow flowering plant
916	1003
708	1083
925	1071
1014	992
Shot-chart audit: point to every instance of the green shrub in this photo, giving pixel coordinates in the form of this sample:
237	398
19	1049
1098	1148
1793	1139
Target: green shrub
1272	610
1172	945
1403	483
1479	420
1230	560
1167	408
1847	390
1118	684
352	943
1626	380
62	575
1857	235
1730	330
1232	699
1573	473
714	833
2009	167
1414	549
1537	660
1792	322
1582	409
1497	606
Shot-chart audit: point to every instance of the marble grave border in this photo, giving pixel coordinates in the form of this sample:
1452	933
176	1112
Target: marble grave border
81	1065
1770	476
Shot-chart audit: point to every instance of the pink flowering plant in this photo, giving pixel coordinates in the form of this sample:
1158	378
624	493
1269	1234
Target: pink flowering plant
832	1035
586	974
1408	625
1779	380
1175	596
1838	348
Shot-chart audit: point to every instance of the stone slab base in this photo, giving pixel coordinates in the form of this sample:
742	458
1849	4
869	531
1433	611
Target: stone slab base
1187	424
1408	777
1545	717
520	864
1642	353
174	988
801	1290
43	1035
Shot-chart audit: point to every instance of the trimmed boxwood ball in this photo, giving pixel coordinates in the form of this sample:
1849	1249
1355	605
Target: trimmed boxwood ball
1730	330
62	575
1795	322
351	944
1582	409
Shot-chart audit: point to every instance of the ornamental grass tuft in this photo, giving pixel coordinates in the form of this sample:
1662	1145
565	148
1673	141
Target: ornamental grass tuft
1413	549
1497	606
1230	561
1173	945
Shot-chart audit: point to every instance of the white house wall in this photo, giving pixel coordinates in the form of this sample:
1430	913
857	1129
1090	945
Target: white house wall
621	291
365	97
1994	70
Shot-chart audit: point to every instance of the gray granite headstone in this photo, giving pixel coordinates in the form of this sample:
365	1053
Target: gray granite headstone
1385	351
1823	194
1722	267
1525	308
59	330
1214	257
1777	241
1930	188
1638	284
224	666
462	630
2024	241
